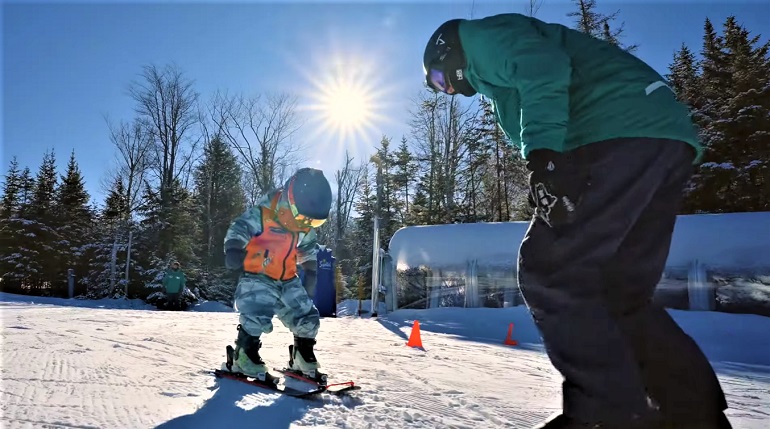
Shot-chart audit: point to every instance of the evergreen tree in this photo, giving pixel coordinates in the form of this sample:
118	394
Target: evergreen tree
387	205
43	199
404	170
169	226
74	222
26	191
588	20
220	199
10	227
17	265
364	224
11	189
683	77
731	106
116	203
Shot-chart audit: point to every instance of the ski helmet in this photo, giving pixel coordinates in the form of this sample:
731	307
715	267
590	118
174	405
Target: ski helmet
444	61
310	197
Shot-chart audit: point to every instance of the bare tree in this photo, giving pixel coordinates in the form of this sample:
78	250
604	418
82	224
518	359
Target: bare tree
533	6
261	130
166	108
348	180
442	128
134	147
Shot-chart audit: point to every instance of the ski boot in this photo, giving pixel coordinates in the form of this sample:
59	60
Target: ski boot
302	360
247	360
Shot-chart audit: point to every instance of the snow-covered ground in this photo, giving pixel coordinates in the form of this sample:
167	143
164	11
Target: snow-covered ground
119	364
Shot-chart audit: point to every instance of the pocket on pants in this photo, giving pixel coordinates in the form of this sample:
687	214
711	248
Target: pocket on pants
557	195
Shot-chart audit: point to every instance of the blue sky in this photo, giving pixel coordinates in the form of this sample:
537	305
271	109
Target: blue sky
68	65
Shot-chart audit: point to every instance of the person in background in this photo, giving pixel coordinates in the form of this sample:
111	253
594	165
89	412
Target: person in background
609	149
174	282
267	244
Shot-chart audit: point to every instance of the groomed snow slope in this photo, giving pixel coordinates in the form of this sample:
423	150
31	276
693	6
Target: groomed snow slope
89	367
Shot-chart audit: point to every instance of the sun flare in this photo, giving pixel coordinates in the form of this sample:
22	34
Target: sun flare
346	107
345	102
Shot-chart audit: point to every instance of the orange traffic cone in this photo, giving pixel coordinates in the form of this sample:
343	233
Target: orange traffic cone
508	340
414	338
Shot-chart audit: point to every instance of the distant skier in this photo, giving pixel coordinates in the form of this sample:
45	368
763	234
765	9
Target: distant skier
174	282
267	243
610	150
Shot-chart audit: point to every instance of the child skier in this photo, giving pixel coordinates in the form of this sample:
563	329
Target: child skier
267	243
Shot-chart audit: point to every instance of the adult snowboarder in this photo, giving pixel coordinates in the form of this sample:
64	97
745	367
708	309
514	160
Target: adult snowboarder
609	151
267	243
174	282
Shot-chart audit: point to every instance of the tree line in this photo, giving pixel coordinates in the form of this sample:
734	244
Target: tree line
185	167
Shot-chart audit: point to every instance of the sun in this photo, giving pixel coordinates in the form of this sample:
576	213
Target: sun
345	100
346	107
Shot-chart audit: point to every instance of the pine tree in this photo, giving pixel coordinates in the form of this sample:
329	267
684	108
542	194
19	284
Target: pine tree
169	225
683	77
108	249
43	200
220	199
11	189
74	221
588	20
387	205
116	203
745	124
362	236
26	191
10	227
17	265
732	110
404	169
30	249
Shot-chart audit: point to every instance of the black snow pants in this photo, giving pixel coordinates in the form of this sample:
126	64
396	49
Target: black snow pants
589	283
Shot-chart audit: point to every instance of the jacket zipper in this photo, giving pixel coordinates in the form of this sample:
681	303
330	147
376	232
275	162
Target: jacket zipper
288	253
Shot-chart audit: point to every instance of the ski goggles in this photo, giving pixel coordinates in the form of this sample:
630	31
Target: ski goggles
437	80
302	220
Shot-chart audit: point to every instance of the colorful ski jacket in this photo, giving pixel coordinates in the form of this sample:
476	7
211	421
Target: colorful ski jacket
274	244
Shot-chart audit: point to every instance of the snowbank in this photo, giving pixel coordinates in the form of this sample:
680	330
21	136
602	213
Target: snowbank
106	303
211	307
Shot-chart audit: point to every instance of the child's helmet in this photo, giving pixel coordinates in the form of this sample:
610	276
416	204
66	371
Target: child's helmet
310	196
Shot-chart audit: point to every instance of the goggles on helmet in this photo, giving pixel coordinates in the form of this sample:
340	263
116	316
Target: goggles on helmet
438	81
302	220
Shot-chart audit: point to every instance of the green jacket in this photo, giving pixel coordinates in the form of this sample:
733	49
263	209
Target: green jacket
556	88
174	281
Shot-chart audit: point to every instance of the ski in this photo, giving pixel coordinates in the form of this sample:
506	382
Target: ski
295	393
332	388
272	383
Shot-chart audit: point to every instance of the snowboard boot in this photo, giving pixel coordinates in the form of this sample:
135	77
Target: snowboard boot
302	360
247	359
